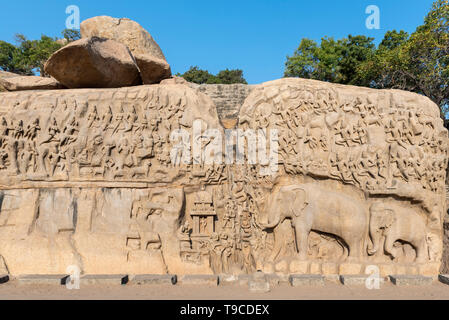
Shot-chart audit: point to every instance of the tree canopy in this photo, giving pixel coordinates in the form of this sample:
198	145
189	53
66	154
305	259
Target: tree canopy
27	57
197	75
418	62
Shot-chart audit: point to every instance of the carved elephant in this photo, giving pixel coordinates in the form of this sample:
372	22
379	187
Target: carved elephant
310	207
397	223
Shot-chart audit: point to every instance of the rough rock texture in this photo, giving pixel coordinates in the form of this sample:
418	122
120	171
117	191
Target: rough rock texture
149	57
228	98
118	181
4	75
94	63
445	258
21	83
152	70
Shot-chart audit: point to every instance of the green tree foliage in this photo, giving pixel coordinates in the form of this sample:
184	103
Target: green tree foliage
71	35
197	75
29	56
332	60
231	76
418	62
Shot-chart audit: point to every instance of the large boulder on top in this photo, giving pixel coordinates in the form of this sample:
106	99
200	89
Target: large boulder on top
149	57
94	63
20	83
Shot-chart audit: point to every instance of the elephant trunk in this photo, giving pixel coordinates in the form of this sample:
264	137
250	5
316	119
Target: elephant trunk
274	224
373	247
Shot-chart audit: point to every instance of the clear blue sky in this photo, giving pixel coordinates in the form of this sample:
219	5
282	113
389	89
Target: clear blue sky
253	35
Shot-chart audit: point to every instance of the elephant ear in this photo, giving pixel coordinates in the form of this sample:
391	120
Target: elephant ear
388	218
298	201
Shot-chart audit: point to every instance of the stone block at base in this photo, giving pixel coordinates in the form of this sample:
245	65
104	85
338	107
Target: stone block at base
297	280
103	279
412	280
227	279
157	279
199	280
259	286
356	280
243	279
42	279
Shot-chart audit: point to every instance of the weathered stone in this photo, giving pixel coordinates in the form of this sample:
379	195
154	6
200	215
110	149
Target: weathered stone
299	267
259	286
329	268
243	279
281	267
333	278
114	195
259	283
315	268
4	75
103	279
42	279
405	280
350	268
94	63
20	83
227	98
149	57
154	279
152	70
358	280
199	280
429	269
297	280
268	268
387	269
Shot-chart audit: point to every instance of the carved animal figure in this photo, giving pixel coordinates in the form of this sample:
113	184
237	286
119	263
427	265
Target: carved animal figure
397	223
310	207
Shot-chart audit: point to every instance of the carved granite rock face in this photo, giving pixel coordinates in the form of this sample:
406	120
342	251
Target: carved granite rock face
94	63
98	179
4	75
149	57
21	83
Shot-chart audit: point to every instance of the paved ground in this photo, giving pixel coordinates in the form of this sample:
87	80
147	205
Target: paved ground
12	290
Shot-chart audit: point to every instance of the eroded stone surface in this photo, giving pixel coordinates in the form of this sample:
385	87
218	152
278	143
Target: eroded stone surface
94	63
149	57
91	178
20	83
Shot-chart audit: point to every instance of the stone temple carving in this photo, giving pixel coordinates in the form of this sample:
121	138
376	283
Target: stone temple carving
95	178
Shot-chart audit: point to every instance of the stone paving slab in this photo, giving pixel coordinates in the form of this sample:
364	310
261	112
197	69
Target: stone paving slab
154	279
42	279
104	279
259	286
297	280
411	280
356	280
199	280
